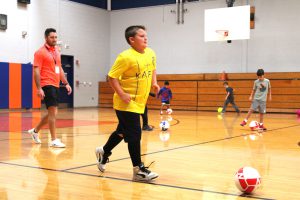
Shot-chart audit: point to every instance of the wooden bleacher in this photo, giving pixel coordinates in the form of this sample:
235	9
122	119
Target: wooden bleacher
205	92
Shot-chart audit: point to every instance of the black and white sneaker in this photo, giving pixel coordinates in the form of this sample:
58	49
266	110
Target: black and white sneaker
102	158
141	173
34	136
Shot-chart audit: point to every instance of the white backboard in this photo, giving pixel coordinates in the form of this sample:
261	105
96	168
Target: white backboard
235	20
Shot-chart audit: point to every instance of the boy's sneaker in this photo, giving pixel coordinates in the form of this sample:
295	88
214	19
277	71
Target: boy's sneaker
57	144
161	112
102	158
261	126
34	136
243	123
147	128
141	173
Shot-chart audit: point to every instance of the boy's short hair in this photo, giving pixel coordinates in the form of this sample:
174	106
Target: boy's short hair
166	83
132	30
225	83
48	31
260	72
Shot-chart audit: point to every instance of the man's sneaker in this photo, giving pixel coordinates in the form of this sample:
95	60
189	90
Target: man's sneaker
141	173
34	136
57	144
261	126
102	158
147	128
243	123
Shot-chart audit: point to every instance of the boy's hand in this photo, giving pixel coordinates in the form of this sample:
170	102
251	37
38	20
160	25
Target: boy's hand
270	98
156	87
125	97
250	98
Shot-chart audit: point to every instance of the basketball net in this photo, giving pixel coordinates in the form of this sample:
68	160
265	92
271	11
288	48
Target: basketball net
222	35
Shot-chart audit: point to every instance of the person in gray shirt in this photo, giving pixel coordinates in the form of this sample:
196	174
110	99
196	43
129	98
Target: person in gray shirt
258	96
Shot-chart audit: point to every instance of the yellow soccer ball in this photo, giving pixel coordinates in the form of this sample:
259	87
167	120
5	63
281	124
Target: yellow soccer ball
220	109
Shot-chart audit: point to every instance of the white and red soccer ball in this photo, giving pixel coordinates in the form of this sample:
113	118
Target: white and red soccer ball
169	111
247	179
254	125
298	113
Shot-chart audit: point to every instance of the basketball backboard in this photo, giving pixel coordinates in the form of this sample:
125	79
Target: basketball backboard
232	23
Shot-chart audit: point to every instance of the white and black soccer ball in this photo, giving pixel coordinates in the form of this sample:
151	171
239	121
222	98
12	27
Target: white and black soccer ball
164	125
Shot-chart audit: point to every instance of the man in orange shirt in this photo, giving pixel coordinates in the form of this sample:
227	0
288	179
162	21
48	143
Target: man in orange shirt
47	75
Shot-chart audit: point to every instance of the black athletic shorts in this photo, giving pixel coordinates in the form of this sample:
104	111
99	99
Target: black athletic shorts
129	125
51	95
166	102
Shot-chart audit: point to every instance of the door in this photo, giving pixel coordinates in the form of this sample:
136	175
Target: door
65	100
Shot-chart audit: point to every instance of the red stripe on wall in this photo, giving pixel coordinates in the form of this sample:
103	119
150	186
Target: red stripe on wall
36	101
15	100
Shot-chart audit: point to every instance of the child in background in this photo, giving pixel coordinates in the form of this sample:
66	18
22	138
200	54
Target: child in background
166	95
229	98
146	126
260	90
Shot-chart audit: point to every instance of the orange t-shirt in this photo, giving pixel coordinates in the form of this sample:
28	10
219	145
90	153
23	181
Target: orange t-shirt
47	59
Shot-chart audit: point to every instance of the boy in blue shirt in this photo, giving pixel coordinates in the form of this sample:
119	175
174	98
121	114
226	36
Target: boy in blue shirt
166	95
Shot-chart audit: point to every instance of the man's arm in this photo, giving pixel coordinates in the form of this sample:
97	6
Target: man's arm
114	83
37	80
65	81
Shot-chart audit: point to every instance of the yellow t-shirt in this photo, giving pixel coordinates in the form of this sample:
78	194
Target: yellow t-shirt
134	71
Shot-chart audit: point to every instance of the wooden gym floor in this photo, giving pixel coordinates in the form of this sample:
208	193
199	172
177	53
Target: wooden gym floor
196	158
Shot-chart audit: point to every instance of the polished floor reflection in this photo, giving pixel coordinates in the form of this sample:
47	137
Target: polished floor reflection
196	158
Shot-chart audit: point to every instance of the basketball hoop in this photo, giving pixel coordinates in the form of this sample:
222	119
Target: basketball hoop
222	34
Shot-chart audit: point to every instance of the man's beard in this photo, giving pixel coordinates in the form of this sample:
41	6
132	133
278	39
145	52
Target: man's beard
51	44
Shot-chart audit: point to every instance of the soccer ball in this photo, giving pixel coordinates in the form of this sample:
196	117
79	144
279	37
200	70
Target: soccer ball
220	109
169	111
247	179
253	125
164	125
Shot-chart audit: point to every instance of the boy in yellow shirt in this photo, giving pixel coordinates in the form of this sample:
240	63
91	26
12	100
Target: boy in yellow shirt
131	77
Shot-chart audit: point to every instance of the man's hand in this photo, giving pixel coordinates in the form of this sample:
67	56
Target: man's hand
40	93
69	89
